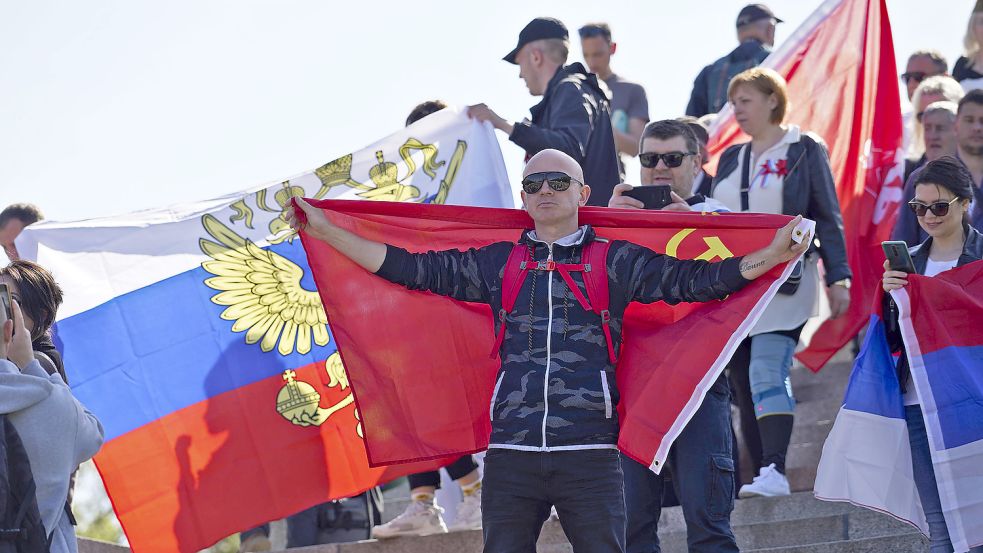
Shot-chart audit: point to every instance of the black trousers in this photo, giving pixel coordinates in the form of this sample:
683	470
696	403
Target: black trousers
458	469
586	486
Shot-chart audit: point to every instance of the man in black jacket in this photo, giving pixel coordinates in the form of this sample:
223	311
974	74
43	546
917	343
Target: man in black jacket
575	114
756	35
554	409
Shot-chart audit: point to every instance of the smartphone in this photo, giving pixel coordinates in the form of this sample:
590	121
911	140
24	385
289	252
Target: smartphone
654	197
898	257
5	300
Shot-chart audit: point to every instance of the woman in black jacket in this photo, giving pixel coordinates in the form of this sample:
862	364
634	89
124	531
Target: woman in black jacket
943	191
782	170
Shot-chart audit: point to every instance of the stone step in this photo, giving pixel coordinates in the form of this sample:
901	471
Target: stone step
96	546
901	543
767	524
856	532
794	532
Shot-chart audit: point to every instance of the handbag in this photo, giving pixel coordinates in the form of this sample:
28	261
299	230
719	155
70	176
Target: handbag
790	286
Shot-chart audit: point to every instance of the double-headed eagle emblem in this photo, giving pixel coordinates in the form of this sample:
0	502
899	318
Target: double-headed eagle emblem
261	289
262	292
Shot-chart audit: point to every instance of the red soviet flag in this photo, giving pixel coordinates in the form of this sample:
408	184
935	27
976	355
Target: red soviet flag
419	363
840	69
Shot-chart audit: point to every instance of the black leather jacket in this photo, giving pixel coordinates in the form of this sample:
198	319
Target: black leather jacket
575	118
808	191
972	251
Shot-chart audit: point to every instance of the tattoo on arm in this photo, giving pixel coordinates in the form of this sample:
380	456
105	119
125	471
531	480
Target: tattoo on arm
745	266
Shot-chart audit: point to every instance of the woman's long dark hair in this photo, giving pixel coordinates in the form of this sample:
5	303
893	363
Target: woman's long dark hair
39	298
40	295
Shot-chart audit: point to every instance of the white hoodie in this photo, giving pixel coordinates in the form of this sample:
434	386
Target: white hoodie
58	434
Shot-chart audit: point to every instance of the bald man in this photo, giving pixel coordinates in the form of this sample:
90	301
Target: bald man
554	406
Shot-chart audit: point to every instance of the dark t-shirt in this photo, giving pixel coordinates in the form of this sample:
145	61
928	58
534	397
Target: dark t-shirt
962	71
628	101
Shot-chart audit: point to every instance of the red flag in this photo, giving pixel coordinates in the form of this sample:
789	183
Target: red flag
840	69
418	363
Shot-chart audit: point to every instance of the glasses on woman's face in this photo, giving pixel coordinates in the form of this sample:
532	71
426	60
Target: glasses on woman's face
939	209
672	159
557	180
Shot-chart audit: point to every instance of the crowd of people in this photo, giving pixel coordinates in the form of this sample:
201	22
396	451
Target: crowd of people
589	122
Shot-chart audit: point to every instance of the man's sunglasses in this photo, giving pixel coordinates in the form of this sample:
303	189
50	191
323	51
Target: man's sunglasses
557	180
917	76
939	209
672	159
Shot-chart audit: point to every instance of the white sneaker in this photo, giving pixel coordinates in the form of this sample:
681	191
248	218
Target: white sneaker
468	513
419	519
768	483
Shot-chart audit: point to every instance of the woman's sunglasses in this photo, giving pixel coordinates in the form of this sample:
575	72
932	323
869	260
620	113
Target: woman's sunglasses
672	159
557	180
939	209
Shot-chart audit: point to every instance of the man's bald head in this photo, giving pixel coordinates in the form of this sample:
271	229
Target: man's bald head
553	160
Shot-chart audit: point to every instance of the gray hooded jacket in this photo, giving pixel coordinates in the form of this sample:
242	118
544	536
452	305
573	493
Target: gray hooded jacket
58	434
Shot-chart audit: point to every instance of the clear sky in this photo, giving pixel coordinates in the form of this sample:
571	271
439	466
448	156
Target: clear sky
110	106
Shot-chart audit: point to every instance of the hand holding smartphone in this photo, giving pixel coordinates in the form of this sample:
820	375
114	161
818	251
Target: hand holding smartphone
654	197
5	300
898	257
8	310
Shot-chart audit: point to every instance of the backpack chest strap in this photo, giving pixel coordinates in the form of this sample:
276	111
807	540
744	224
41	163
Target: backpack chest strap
594	268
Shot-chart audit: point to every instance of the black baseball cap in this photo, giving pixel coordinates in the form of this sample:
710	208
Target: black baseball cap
538	29
755	12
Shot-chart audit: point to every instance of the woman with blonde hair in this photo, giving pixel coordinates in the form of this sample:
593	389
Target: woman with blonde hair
969	68
781	170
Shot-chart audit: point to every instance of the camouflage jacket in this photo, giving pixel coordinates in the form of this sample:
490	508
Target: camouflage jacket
556	388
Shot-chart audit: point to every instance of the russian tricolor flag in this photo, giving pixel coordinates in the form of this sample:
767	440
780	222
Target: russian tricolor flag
197	336
867	458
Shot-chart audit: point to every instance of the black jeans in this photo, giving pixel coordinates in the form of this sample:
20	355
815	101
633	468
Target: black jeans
458	469
586	486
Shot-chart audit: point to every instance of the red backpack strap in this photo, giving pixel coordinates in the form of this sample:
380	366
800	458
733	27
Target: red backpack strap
516	269
595	259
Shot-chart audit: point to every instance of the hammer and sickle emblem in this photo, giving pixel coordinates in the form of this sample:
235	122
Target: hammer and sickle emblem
715	247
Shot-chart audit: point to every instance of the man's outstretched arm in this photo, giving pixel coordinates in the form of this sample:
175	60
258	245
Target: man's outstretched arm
658	277
367	253
781	249
461	275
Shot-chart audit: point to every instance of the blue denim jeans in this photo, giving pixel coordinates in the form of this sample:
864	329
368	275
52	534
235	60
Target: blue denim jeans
586	486
703	476
771	360
928	489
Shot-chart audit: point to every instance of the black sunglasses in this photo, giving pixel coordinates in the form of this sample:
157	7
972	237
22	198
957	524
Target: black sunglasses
939	209
917	76
671	159
557	180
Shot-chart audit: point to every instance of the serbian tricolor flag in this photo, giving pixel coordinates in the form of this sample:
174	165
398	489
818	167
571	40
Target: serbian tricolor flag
418	363
196	335
842	86
867	458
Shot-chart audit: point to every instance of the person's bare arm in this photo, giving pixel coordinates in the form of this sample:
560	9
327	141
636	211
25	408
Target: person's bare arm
627	142
367	253
781	249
